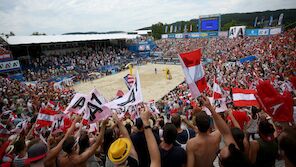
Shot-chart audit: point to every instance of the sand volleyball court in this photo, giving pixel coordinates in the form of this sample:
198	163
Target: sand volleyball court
154	86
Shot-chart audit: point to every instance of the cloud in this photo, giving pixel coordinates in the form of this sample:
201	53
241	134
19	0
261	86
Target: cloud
59	16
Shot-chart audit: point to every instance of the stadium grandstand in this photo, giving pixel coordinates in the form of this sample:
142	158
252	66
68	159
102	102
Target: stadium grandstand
204	92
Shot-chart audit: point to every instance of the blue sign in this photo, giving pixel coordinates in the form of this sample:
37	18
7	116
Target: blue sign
210	25
247	59
252	32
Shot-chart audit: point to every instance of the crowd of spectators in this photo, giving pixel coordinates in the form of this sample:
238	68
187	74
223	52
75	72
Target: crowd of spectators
81	60
182	134
275	58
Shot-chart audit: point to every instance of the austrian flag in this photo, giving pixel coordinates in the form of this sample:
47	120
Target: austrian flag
194	72
217	92
45	117
244	97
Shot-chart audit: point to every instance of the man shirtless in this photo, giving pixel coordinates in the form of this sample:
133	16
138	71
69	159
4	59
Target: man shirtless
202	149
70	147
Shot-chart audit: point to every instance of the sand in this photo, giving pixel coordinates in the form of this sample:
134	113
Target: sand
154	86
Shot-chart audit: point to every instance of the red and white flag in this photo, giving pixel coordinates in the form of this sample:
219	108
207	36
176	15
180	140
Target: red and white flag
129	80
244	97
194	72
217	92
45	117
279	107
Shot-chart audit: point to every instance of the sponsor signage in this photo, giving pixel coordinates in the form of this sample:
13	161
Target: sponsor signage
252	32
263	31
9	65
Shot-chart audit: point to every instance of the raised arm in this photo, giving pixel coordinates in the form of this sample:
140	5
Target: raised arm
52	153
151	141
91	150
220	123
125	134
189	124
233	120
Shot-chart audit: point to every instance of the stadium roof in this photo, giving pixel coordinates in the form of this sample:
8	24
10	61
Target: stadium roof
19	40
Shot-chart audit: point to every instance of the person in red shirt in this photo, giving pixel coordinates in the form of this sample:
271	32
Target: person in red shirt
241	117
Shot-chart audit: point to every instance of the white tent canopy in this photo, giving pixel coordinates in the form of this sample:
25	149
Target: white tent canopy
18	40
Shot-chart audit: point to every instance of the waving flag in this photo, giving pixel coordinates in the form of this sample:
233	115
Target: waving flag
244	97
129	81
217	92
45	117
132	97
277	106
194	72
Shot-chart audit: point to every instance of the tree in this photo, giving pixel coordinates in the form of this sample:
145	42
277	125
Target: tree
228	25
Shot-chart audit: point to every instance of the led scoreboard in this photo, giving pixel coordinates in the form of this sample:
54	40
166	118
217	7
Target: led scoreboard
209	23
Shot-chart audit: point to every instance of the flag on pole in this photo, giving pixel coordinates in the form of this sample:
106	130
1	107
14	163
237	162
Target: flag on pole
244	97
166	29
217	92
255	22
270	20
171	29
194	72
185	28
132	97
129	80
277	106
280	21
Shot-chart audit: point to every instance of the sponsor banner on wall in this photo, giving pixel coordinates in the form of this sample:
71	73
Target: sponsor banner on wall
9	65
274	31
252	32
178	35
164	36
171	35
263	31
194	35
204	35
213	34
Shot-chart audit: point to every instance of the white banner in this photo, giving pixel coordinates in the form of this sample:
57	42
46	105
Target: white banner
77	104
8	65
95	110
219	104
178	35
237	31
274	31
132	97
164	36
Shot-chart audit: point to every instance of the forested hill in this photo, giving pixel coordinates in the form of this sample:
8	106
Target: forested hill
233	19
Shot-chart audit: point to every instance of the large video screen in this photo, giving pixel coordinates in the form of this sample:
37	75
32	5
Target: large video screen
210	24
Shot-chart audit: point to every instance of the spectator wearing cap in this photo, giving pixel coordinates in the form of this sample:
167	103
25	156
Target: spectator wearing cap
36	154
122	151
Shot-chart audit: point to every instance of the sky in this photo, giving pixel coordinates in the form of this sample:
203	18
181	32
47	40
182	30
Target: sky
23	17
